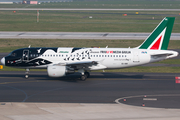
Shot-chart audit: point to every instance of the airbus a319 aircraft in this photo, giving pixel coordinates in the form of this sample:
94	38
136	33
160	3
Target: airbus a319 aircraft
62	61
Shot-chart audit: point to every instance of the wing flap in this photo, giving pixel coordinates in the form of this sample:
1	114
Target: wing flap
82	63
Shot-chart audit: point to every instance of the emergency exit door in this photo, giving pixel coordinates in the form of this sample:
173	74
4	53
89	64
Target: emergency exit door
136	56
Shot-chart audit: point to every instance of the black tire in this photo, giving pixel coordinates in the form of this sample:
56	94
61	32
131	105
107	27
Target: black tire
83	77
87	74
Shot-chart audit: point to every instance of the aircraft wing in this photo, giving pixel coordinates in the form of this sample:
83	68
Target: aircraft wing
84	64
79	64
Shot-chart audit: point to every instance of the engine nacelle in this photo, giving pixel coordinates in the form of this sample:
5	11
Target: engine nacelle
58	71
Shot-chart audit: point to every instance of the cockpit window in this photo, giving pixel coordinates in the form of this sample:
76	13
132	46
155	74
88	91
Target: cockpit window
13	54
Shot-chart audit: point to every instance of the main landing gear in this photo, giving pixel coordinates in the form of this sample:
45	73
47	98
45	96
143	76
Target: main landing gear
86	75
27	74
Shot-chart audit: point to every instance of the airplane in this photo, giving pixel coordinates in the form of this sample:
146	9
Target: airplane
62	61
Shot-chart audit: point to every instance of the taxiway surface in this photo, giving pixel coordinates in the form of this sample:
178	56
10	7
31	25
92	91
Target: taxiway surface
80	35
89	9
99	88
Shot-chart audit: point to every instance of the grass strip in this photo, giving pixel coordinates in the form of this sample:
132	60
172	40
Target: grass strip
80	21
132	69
8	45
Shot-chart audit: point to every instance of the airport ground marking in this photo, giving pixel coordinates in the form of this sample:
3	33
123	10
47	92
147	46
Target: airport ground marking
3	83
144	96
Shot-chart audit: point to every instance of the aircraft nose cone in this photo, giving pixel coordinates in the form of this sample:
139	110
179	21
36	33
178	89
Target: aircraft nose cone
3	61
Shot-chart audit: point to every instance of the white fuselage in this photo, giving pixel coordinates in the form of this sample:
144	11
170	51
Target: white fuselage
107	58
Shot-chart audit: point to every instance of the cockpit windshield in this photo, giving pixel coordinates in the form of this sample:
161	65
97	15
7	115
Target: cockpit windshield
13	54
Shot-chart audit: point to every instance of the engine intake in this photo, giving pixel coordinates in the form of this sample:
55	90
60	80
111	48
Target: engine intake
58	71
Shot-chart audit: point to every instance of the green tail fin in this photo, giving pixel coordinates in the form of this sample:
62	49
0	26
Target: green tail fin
159	38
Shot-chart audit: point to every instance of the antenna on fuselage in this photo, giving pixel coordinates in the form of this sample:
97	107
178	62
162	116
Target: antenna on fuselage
107	46
29	46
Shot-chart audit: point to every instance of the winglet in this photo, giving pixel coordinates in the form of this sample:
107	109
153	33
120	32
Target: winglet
159	38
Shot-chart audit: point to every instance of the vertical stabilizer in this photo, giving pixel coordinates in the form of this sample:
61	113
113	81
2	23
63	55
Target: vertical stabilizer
159	38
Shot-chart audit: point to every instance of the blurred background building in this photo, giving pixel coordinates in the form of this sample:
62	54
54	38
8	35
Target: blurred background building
31	1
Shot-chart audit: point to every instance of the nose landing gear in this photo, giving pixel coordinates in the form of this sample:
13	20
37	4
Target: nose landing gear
27	74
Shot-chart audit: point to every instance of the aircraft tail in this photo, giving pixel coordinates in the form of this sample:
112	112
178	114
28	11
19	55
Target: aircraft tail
159	38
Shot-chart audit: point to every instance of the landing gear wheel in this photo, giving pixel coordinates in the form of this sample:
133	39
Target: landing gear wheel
87	74
83	77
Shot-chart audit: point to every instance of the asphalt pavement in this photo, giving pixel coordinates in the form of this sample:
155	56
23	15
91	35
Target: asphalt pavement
80	35
99	88
103	96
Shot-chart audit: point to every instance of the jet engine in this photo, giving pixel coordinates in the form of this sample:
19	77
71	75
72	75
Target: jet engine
58	71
